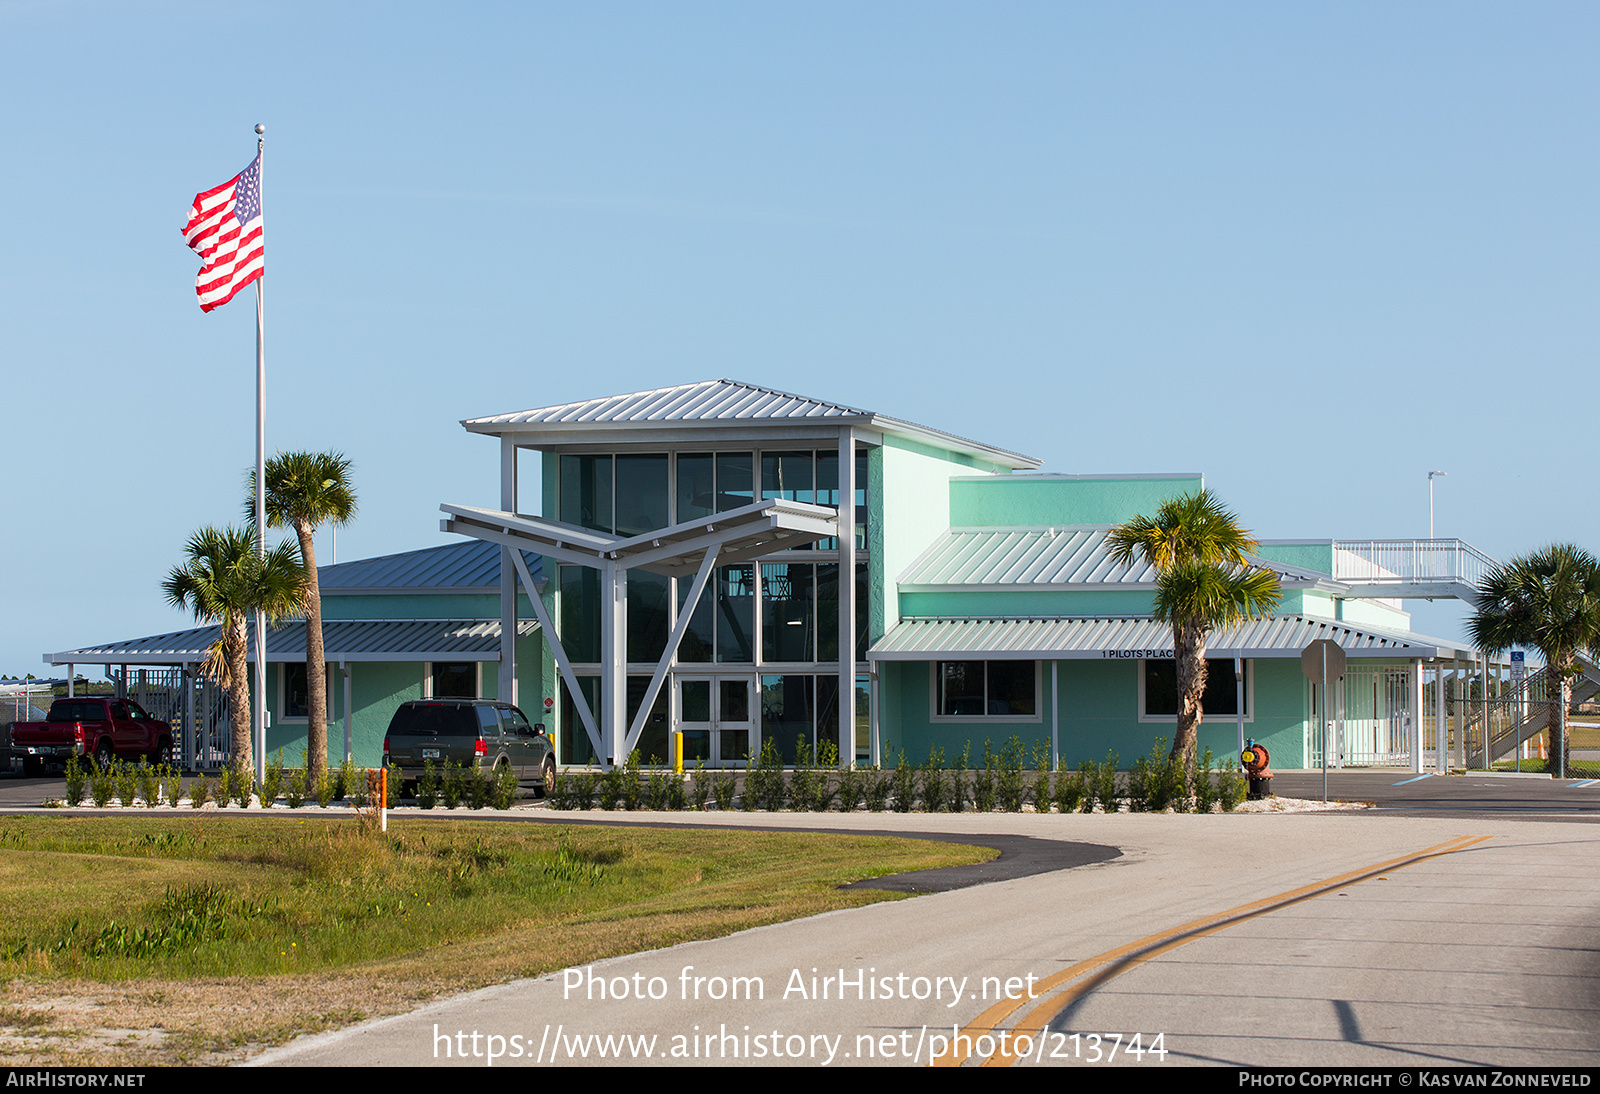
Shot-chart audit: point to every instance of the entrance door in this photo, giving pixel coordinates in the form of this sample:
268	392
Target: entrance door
717	716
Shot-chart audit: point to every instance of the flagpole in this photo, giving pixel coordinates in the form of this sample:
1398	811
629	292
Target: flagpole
261	480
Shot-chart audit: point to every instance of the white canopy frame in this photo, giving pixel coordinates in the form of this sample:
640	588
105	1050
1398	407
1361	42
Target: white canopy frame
695	547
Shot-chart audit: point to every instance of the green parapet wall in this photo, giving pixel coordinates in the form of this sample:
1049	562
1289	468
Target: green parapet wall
1035	500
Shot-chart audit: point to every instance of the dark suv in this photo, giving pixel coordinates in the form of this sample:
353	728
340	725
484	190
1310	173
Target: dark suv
478	734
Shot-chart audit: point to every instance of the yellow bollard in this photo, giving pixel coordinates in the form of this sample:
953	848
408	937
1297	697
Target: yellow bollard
677	752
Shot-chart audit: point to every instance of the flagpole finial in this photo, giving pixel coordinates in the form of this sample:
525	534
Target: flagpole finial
260	128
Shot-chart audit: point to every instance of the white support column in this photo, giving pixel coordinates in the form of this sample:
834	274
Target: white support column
1441	721
506	688
1417	711
187	756
847	598
344	670
1055	716
613	662
72	671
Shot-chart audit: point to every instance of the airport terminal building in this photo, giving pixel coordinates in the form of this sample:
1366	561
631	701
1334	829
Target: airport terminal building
741	565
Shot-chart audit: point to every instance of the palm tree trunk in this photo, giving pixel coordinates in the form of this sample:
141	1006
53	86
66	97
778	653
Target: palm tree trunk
316	663
1189	647
239	689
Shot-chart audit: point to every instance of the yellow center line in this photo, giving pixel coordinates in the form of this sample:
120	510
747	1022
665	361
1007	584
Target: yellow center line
1136	953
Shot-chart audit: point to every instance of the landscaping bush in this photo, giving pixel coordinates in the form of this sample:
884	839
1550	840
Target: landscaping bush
77	782
904	784
935	784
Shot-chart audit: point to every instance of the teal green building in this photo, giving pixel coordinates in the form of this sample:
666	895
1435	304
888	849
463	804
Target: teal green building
736	565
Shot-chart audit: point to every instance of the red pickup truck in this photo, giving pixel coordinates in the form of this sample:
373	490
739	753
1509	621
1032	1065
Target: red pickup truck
100	728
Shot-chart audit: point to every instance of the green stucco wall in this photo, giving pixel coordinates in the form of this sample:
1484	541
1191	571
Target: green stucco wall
1061	499
1098	704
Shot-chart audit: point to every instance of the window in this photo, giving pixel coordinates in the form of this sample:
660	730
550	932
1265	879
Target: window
454	680
986	690
1158	690
294	695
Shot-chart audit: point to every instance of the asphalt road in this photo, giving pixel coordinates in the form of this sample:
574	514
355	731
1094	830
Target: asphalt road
1403	940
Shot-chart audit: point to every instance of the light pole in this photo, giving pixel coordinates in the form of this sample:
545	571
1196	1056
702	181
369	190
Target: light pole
1431	475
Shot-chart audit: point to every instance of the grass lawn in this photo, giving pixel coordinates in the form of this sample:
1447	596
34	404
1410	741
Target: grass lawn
176	939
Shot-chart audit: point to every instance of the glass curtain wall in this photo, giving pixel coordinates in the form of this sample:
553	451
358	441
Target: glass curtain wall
781	614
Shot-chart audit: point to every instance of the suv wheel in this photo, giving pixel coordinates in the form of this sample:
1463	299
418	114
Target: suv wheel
162	756
547	775
103	754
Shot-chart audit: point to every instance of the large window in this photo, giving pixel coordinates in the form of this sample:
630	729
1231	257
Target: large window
986	690
1158	690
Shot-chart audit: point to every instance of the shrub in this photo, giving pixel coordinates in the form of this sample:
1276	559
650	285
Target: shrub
272	781
77	782
479	786
392	779
127	778
904	784
583	789
1039	792
199	792
428	786
1011	788
174	787
983	781
1205	791
1105	783
223	794
149	784
294	788
677	795
503	794
610	788
702	785
722	790
932	783
244	781
102	785
1231	786
852	789
960	787
802	786
324	788
764	784
875	784
632	786
655	787
1070	791
455	784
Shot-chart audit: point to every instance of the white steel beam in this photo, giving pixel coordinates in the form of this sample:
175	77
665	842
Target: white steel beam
685	613
553	641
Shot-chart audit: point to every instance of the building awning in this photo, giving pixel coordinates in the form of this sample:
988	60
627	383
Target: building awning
342	640
1133	638
739	535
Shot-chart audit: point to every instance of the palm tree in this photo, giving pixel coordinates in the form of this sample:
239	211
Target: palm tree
1204	579
224	580
1549	600
304	491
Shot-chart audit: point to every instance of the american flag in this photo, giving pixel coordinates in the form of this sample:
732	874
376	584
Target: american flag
224	229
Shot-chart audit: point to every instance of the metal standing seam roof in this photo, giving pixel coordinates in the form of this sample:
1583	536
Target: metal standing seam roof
1120	638
725	401
343	640
1056	556
450	567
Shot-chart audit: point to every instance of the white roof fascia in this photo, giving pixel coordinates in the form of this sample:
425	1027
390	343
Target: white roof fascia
646	417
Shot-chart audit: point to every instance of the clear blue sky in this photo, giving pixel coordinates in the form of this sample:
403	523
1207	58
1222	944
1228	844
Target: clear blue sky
1311	250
